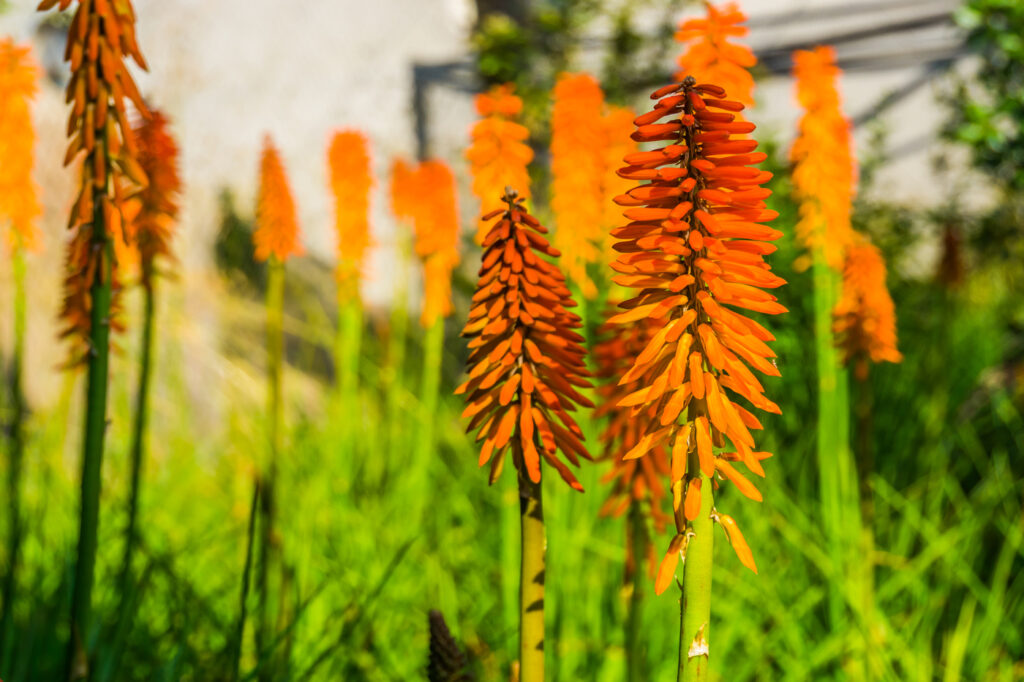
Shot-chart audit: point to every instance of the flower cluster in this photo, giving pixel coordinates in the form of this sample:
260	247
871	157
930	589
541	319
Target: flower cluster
498	154
694	249
578	165
864	317
824	176
19	203
150	213
277	232
101	38
711	57
348	161
526	359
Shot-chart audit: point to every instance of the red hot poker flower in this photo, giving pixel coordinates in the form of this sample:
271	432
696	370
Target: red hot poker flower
101	38
526	361
348	161
865	317
695	250
277	233
19	203
712	57
151	212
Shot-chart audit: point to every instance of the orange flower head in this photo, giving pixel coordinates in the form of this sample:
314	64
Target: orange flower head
633	481
711	55
348	160
426	194
277	233
19	203
825	173
498	154
694	249
865	317
618	125
101	38
151	213
526	359
578	175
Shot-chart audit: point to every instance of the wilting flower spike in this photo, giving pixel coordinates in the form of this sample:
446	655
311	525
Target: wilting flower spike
498	155
351	181
19	203
277	232
526	359
825	174
694	250
865	317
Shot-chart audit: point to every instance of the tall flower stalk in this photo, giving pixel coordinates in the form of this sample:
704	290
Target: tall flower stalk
824	181
436	224
695	248
150	217
19	207
498	154
526	365
101	38
351	181
276	240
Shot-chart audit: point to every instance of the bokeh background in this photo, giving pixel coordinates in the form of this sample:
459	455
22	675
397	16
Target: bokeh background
932	88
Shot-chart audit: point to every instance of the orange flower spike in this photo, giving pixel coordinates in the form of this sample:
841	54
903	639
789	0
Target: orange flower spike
428	197
694	251
825	172
618	126
865	317
19	203
351	180
498	154
578	175
527	359
151	213
712	56
101	38
277	233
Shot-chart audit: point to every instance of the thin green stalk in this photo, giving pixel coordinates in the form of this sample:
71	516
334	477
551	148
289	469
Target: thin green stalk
138	438
395	368
694	634
837	479
236	642
267	622
348	347
531	583
635	655
433	345
92	447
14	465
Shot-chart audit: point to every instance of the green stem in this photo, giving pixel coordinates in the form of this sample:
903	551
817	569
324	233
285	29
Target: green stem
531	583
635	660
433	345
138	437
275	438
92	445
236	642
14	466
694	634
348	347
396	364
837	480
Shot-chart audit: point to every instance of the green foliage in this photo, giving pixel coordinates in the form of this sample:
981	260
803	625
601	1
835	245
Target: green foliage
988	117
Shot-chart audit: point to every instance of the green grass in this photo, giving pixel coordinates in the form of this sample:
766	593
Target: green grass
374	538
